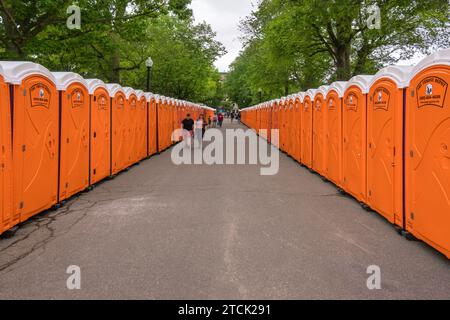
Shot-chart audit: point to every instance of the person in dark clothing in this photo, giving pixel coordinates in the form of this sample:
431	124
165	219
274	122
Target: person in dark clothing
188	126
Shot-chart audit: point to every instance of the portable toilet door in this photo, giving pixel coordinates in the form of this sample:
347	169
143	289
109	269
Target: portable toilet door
119	128
298	126
152	123
333	132
100	131
275	135
307	128
161	123
428	152
7	218
290	128
131	126
141	129
354	137
74	133
35	137
319	119
385	142
283	123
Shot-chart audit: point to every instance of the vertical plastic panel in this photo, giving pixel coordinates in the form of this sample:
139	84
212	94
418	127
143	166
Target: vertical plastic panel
132	123
35	149
100	135
298	130
354	143
7	217
318	134
333	138
141	131
384	150
428	157
74	165
307	127
119	132
152	127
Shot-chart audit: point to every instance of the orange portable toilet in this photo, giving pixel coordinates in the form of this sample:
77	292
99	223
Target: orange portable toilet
333	132
264	125
160	122
427	156
119	118
74	133
276	122
35	137
7	218
385	142
319	120
290	127
307	128
141	128
354	168
100	131
298	126
283	123
131	106
152	124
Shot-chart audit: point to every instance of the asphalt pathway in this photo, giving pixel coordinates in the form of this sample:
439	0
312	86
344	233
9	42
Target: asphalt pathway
161	231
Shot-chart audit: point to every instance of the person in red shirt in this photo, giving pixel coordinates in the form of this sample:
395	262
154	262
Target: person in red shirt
220	119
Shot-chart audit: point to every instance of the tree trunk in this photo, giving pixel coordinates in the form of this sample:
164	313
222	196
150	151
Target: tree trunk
343	64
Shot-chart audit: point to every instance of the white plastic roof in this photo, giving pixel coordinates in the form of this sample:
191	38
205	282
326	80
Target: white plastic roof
339	87
65	79
323	90
113	89
149	96
399	74
140	94
15	72
441	57
311	93
129	91
94	84
362	81
302	96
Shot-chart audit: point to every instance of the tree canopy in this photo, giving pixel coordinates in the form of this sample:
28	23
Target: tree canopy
115	40
294	45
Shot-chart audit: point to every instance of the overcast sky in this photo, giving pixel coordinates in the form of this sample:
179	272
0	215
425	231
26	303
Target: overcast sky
224	17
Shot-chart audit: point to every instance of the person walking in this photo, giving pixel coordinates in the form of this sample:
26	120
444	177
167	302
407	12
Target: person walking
199	129
220	119
214	123
188	129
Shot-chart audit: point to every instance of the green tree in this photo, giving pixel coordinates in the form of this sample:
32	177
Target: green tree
293	45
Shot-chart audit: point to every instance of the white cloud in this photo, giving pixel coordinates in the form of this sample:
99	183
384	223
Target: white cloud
224	17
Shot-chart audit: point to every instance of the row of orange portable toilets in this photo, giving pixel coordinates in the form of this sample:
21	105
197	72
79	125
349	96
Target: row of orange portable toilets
383	139
60	134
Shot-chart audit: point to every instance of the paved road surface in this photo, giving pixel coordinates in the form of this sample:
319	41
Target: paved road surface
160	231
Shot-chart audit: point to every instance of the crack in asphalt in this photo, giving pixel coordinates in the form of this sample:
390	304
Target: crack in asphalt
45	221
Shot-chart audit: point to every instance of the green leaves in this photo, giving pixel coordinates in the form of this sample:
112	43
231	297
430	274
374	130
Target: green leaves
294	45
115	39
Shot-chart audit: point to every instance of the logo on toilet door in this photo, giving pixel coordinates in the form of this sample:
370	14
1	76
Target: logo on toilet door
120	102
102	102
352	102
77	99
331	104
381	99
431	92
40	96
